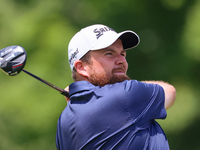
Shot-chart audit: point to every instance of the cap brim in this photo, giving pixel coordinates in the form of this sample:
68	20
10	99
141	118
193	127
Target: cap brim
129	39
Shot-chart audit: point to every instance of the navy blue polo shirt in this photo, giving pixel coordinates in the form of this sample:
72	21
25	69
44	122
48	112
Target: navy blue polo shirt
118	116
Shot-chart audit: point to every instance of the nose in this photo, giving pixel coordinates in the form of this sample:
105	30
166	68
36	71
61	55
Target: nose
121	60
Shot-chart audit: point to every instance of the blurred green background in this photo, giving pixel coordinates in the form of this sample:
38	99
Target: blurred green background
169	51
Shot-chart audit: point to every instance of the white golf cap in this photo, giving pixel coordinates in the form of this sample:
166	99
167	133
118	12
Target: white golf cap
97	37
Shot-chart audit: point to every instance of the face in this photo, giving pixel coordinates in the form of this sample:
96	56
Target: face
108	65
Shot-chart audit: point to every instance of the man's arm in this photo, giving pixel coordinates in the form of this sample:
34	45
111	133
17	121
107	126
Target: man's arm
170	92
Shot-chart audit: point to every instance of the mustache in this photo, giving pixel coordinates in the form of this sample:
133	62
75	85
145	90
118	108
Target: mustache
121	68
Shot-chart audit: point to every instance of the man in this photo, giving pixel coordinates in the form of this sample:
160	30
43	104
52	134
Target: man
107	110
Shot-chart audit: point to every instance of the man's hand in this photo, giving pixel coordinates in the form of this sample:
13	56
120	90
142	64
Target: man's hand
67	89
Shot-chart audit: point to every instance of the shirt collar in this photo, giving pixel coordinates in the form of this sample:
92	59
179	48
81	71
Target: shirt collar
80	86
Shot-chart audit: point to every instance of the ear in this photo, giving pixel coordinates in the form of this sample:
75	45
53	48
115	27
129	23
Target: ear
81	68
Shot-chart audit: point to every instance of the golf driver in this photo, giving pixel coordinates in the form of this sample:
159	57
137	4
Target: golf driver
13	60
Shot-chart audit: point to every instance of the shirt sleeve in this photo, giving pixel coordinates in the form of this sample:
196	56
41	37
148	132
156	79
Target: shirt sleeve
145	100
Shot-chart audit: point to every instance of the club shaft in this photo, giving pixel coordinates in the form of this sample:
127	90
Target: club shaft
62	91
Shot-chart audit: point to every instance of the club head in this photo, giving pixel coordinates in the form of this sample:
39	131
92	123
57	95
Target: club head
12	59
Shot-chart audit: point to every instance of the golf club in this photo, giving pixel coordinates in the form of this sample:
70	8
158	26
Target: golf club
13	60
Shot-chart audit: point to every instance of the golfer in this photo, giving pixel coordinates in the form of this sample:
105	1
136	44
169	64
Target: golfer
107	110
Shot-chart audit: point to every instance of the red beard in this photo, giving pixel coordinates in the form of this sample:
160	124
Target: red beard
101	79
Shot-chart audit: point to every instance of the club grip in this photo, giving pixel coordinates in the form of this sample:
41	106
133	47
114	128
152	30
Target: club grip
65	93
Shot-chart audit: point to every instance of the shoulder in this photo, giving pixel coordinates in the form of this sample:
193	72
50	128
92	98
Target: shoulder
134	88
125	88
130	85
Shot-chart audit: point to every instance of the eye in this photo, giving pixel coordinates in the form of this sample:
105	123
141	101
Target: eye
108	53
123	54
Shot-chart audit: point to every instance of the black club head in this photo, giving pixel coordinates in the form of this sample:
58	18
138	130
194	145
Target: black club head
12	59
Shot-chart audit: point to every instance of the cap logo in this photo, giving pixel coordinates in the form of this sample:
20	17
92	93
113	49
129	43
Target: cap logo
73	56
100	31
